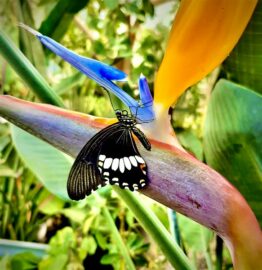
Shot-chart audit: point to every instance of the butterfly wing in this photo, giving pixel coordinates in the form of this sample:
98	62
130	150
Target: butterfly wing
120	163
84	176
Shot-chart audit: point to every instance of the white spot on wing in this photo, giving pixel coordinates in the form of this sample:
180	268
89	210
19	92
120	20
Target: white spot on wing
115	164
115	179
102	157
106	174
125	184
142	181
139	159
100	164
108	163
121	165
135	186
133	161
127	163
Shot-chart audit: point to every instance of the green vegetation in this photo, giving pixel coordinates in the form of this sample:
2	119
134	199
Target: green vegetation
110	230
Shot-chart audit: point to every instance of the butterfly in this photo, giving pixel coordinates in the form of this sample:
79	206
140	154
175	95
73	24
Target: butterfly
110	157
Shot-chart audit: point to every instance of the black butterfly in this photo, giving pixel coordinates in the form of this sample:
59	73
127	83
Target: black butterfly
110	157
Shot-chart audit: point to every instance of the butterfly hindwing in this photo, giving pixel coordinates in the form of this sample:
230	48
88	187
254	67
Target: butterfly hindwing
120	162
84	176
83	179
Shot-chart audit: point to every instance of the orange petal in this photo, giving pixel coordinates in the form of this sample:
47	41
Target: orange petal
203	34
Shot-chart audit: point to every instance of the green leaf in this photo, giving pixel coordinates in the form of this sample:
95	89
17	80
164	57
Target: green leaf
8	20
58	263
110	259
51	206
244	64
101	240
59	19
69	82
191	143
196	240
5	262
192	232
25	261
111	4
49	164
87	246
4	141
136	244
75	214
62	241
27	71
28	44
7	171
233	141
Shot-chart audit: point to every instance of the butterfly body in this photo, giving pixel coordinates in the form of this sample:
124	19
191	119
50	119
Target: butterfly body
110	157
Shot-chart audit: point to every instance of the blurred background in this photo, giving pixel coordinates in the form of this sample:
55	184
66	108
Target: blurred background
130	35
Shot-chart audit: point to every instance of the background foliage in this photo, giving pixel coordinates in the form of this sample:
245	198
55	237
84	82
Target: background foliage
122	33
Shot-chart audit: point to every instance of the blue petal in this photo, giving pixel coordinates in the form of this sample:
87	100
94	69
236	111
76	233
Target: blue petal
104	70
103	74
145	94
144	112
84	64
92	68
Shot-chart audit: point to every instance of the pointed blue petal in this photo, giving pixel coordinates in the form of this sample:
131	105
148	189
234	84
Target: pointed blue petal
144	91
99	72
104	70
103	74
86	66
144	112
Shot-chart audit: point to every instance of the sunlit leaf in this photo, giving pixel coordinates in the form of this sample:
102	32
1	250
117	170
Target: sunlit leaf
59	262
51	206
7	171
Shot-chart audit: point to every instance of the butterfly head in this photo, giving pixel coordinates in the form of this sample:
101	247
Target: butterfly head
125	118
